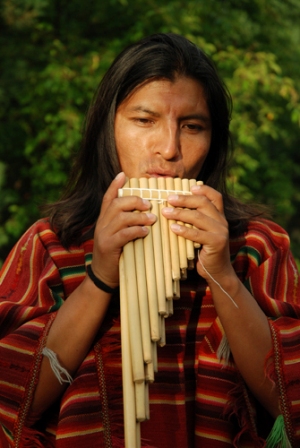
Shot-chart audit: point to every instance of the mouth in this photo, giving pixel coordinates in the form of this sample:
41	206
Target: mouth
157	172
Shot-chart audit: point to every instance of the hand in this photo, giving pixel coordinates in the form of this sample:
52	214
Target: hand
116	226
204	210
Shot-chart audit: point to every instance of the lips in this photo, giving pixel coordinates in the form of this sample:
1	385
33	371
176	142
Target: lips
158	172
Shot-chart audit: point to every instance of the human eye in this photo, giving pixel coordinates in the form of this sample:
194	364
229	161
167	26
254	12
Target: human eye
143	121
193	127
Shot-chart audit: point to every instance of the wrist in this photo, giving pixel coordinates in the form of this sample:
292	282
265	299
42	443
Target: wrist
226	284
99	283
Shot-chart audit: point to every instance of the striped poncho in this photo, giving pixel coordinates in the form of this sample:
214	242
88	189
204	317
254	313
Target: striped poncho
197	399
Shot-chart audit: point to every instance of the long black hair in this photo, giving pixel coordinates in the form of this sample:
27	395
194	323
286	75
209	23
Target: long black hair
160	56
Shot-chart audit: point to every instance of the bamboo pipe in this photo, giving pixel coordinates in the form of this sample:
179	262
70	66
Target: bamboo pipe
190	251
183	264
164	224
142	291
151	279
127	379
158	254
173	239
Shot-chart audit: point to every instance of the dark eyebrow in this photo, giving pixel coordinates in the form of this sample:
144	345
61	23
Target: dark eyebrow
201	117
145	110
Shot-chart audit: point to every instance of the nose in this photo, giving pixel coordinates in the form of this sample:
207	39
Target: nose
168	142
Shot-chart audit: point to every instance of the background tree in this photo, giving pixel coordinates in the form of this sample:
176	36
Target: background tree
54	52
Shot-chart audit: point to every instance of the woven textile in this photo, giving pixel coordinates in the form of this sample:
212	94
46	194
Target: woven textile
196	400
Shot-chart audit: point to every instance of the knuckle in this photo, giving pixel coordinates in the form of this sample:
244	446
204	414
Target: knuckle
198	215
121	218
193	233
123	233
137	203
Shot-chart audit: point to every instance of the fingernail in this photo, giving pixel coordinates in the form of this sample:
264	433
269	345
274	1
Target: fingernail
119	175
175	227
168	209
151	216
196	187
173	197
147	203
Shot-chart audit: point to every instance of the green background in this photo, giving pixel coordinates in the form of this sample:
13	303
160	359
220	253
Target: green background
54	52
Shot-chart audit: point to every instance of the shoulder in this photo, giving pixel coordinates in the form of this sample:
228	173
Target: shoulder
262	233
39	234
40	227
45	238
34	245
262	240
31	246
39	254
266	234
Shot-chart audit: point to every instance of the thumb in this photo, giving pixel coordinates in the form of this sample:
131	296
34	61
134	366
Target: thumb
112	191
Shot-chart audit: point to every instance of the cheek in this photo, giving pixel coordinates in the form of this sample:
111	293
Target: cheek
126	141
129	159
194	162
122	144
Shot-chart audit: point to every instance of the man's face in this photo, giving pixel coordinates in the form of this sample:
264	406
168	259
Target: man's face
163	128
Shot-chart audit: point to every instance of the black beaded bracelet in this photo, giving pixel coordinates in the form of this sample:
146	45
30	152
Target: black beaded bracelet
99	283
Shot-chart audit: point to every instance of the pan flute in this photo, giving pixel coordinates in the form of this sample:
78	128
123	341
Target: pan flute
150	272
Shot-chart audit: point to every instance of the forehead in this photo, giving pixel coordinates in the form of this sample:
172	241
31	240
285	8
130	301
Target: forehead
181	91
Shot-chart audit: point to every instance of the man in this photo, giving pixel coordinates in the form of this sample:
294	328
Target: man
161	110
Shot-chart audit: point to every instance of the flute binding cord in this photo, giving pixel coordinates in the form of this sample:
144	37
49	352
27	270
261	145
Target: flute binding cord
151	194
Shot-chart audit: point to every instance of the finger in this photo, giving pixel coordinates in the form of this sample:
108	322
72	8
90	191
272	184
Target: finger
201	236
123	220
112	203
112	191
121	210
202	197
209	221
215	197
123	236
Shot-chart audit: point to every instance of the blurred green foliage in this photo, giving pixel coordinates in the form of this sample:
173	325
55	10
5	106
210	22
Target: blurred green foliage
54	52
